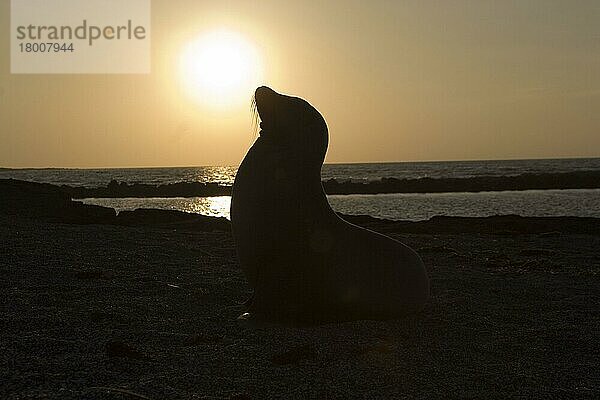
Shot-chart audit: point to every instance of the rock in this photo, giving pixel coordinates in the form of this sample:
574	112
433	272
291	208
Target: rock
45	201
497	225
562	180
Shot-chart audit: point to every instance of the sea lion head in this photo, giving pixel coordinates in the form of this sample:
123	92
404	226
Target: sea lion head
291	123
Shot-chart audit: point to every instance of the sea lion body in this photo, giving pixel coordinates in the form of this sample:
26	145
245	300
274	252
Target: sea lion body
303	261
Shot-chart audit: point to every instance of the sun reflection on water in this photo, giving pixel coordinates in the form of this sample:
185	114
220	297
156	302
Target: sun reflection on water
212	206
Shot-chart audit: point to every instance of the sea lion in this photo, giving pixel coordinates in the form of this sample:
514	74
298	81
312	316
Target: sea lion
304	262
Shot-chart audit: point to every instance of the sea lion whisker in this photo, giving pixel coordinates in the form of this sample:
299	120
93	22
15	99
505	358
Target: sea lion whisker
254	115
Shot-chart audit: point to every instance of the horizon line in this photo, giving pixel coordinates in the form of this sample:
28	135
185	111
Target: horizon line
326	163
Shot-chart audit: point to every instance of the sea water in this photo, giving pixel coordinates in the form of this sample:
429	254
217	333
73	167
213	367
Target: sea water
404	206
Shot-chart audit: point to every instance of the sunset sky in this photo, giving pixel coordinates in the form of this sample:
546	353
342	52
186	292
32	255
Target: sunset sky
395	81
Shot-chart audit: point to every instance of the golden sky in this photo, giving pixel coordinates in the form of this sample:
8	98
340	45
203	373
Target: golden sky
395	80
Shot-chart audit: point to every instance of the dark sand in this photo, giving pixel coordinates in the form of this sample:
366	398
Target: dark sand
99	311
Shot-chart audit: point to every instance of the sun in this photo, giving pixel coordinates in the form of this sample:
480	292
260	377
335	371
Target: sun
220	69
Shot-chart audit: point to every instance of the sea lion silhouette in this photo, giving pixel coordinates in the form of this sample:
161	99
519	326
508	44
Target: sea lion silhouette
304	262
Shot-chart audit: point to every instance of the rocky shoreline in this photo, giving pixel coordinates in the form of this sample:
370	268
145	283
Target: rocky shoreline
51	203
529	181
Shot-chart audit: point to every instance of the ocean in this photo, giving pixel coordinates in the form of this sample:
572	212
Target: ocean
402	206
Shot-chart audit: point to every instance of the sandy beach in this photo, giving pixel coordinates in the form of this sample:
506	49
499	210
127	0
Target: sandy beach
102	311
